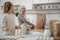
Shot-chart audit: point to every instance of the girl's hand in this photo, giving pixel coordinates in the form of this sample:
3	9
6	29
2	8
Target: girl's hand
5	29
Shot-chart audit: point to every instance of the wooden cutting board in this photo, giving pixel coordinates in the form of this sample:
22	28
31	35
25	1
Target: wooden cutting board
40	21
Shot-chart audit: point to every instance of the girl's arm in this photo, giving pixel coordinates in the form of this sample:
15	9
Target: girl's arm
4	22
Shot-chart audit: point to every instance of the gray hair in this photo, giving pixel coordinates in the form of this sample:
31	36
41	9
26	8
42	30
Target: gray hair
20	7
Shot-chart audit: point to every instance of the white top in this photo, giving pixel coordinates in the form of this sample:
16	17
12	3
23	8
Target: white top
4	20
8	20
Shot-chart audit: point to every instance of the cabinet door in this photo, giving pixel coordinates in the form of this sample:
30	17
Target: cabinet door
40	21
39	1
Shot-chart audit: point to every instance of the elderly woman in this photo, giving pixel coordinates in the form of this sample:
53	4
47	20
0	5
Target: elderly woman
21	16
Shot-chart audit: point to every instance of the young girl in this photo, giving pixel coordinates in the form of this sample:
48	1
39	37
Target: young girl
8	21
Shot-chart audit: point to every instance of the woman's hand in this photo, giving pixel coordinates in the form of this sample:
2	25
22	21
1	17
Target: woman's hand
17	27
33	26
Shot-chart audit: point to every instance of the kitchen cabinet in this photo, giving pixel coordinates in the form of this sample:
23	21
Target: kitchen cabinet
56	1
50	1
26	3
39	1
15	2
45	1
3	1
53	1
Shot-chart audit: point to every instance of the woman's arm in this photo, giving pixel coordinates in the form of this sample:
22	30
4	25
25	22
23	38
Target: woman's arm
33	26
25	21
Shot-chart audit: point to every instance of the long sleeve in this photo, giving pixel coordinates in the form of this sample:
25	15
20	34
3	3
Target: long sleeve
4	21
22	19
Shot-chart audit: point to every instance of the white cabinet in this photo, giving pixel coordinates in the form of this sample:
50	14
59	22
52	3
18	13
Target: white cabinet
15	2
56	0
53	1
36	1
44	1
26	3
39	1
3	1
50	1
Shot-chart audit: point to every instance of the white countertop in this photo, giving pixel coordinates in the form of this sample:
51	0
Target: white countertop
28	37
34	34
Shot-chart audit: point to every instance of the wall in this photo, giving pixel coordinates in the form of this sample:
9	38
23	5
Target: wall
26	3
39	1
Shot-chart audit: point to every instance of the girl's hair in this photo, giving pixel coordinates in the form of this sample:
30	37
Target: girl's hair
7	6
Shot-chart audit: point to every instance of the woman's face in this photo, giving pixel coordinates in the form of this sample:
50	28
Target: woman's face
23	10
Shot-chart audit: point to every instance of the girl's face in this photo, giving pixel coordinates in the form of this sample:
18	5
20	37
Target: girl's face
12	9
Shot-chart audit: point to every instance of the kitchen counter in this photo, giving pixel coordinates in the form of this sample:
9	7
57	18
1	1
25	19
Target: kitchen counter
41	31
27	37
33	35
18	37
